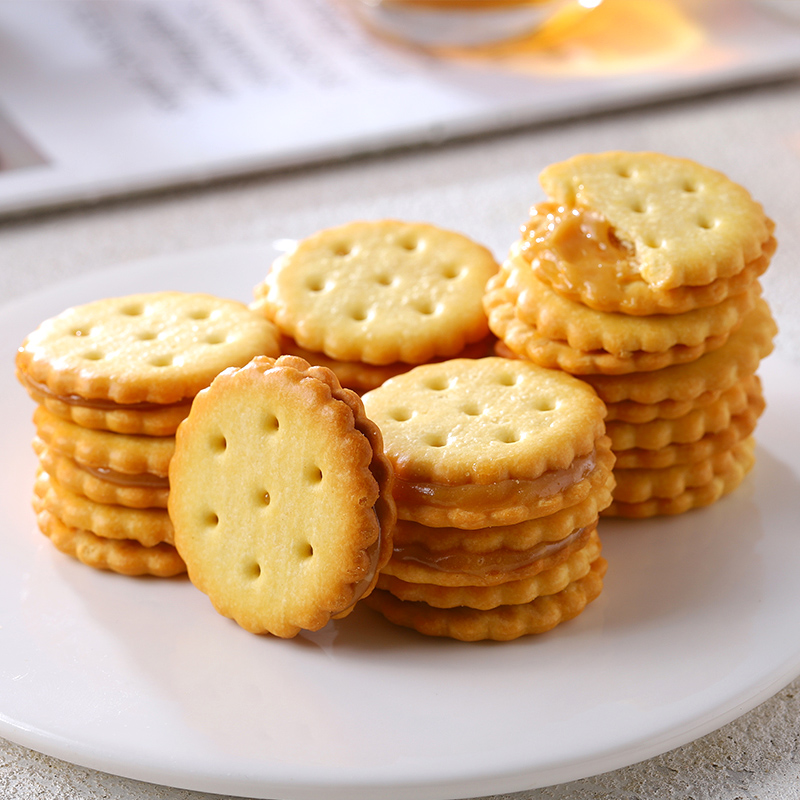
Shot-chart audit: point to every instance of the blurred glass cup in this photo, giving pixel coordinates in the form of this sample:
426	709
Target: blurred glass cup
447	24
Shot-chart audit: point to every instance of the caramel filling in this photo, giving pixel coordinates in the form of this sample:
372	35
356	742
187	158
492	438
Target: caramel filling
501	493
359	590
36	388
484	565
575	250
141	480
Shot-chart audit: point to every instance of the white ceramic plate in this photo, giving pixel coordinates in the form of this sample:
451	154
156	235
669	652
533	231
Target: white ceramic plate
698	623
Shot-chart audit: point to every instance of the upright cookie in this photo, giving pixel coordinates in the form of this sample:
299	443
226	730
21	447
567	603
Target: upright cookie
281	496
380	292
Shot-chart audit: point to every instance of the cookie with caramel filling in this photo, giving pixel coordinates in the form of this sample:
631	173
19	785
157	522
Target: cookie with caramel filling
490	441
148	526
119	452
639	485
719	370
728	471
645	233
523	338
502	623
709	418
124	556
417	564
280	495
152	349
519	536
473	506
741	426
587	329
511	592
101	484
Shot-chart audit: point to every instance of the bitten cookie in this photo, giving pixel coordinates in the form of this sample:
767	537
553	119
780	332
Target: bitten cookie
281	496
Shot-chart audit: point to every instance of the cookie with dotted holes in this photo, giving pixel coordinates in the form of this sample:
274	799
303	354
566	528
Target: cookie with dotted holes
142	349
577	253
656	223
380	292
280	496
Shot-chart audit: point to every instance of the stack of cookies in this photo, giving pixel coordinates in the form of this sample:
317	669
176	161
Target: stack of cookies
640	275
369	300
113	379
501	469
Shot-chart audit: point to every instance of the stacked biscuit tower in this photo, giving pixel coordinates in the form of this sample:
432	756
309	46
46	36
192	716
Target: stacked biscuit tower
113	379
640	276
369	300
501	469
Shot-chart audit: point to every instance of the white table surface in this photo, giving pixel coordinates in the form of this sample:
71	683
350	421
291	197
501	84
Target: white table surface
482	187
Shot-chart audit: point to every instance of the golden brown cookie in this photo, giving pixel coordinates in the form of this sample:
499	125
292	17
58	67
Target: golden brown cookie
457	567
640	485
158	348
473	506
125	556
728	475
281	496
741	426
502	623
714	371
519	536
490	441
380	292
524	339
511	592
142	419
578	254
103	485
709	418
682	224
98	449
148	526
587	329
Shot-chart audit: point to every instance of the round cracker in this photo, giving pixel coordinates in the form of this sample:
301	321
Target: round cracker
380	292
503	623
280	496
124	556
686	224
160	348
486	420
512	592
